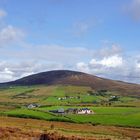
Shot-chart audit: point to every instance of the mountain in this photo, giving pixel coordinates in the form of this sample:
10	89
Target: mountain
67	77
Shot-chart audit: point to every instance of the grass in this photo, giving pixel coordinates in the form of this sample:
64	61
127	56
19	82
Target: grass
116	110
100	110
117	116
111	116
117	120
34	114
53	100
120	116
48	95
14	99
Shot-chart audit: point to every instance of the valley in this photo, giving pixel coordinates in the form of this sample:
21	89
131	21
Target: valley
111	109
70	105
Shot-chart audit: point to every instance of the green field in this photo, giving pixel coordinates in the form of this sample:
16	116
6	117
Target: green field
48	95
121	111
34	114
118	116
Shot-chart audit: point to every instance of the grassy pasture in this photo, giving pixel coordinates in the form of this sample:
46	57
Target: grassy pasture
118	116
131	120
13	102
99	110
48	95
35	114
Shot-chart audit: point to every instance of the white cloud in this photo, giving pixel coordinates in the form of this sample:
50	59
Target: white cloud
106	62
138	65
83	67
102	67
9	35
112	61
33	59
49	53
2	13
116	66
6	75
109	49
10	71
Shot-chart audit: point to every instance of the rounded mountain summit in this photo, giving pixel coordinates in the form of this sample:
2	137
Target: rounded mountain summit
67	77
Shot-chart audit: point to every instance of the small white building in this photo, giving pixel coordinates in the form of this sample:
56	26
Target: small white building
30	106
85	111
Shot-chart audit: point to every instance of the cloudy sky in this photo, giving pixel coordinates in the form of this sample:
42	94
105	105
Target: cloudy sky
94	36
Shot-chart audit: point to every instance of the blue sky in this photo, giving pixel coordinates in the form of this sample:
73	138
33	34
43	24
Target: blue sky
94	36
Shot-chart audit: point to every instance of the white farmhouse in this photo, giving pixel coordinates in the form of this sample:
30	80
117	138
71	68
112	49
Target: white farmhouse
85	111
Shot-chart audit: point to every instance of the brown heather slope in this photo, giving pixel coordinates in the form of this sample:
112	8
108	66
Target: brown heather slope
29	129
66	77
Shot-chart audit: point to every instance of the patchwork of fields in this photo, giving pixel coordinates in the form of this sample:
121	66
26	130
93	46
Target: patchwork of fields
117	116
53	95
111	108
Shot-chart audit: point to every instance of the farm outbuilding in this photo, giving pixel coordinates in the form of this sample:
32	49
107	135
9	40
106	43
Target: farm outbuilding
30	106
61	111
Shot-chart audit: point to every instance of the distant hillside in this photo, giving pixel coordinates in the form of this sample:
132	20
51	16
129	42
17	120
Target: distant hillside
66	77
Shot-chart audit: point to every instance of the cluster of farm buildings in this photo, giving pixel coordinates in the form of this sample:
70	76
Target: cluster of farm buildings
73	111
67	111
68	97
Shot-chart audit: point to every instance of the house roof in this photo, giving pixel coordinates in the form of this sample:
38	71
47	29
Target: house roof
33	104
61	110
85	109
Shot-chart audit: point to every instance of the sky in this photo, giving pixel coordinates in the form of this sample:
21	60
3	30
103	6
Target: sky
93	36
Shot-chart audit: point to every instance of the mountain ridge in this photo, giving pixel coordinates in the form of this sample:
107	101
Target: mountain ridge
68	77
